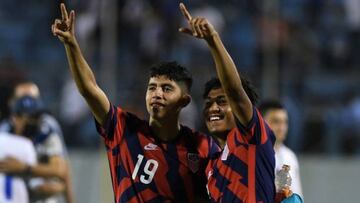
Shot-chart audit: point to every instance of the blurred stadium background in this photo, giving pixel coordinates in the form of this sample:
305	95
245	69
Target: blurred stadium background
305	52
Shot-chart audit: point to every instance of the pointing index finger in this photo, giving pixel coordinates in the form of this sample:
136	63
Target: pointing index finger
64	13
185	12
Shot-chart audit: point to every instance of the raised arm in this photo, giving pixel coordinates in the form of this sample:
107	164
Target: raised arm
225	67
80	70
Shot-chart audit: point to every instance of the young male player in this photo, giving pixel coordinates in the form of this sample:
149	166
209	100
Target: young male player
150	161
244	171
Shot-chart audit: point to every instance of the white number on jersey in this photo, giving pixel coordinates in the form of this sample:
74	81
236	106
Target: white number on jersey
150	168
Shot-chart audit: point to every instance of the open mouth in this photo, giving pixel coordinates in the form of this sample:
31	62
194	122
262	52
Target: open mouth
214	118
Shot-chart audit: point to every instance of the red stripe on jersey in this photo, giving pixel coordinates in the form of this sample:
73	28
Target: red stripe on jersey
263	132
126	182
187	181
147	195
203	148
161	183
213	190
119	128
250	133
235	185
251	174
241	153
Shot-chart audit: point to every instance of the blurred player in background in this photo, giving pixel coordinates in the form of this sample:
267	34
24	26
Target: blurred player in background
244	170
150	161
49	145
13	188
276	116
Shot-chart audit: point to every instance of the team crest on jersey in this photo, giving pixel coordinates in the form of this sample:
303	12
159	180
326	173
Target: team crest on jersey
193	162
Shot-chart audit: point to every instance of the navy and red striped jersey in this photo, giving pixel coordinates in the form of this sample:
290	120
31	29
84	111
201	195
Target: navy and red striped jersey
145	169
244	170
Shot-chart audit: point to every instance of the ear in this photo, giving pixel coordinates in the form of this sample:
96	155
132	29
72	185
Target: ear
185	100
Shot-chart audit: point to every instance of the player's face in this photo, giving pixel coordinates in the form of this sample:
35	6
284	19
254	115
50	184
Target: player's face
278	122
164	98
217	112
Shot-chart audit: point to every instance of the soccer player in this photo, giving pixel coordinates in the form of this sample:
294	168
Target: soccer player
150	161
244	170
50	148
13	188
276	116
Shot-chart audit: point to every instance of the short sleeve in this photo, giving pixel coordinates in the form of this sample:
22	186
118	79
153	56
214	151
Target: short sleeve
113	128
257	131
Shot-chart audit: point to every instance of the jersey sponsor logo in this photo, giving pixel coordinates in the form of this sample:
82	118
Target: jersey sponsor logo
225	153
193	162
151	146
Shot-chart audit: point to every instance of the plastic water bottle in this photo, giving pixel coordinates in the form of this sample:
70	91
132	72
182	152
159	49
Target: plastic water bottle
283	178
282	183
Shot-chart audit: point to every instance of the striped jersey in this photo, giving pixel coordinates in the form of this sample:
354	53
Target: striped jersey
145	169
244	170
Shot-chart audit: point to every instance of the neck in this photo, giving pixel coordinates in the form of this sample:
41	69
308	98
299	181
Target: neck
277	145
166	129
221	139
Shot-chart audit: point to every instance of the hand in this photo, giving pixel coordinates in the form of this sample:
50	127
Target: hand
287	191
64	28
12	166
199	26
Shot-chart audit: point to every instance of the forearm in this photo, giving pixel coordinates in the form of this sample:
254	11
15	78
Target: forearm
80	70
47	190
225	67
230	80
48	171
86	82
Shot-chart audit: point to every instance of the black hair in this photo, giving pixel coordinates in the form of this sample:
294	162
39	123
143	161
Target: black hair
265	106
173	71
250	90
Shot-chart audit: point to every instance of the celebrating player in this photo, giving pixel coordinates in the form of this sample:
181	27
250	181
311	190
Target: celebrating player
244	171
157	160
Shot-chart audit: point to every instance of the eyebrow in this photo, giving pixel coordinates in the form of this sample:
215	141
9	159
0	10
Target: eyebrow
218	97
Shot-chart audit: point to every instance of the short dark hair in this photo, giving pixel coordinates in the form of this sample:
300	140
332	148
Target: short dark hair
250	90
173	71
265	106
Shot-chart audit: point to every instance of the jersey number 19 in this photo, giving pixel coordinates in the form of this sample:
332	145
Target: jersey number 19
150	168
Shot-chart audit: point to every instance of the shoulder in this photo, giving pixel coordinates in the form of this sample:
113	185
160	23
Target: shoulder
286	150
203	143
288	155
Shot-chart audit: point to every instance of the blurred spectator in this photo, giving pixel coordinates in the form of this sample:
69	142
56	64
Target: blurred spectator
276	116
48	140
13	188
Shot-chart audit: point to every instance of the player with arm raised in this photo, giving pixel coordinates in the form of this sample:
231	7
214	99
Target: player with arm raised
244	171
150	161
